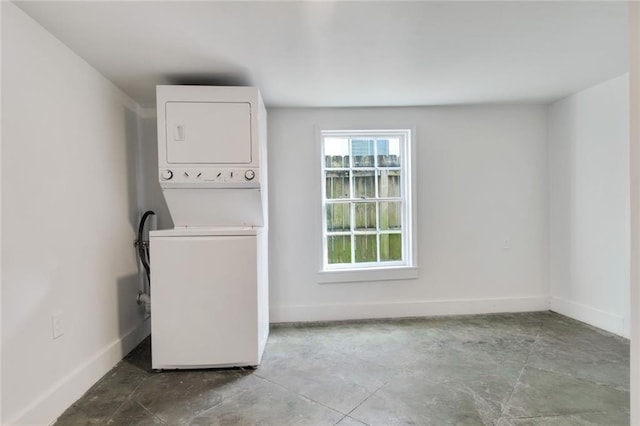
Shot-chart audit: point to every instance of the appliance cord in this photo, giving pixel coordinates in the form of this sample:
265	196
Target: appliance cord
143	246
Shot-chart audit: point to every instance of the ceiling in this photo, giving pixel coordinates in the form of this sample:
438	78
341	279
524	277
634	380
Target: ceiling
366	53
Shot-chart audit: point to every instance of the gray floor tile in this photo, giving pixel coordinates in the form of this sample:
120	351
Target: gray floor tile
265	403
546	393
488	327
568	347
176	397
105	397
350	421
133	414
583	419
415	402
465	361
338	381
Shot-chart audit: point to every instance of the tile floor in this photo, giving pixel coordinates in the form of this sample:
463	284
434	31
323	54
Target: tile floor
505	370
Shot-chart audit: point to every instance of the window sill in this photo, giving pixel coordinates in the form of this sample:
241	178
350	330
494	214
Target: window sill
371	274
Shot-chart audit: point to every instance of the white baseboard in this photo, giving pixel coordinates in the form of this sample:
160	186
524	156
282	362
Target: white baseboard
605	320
47	407
349	311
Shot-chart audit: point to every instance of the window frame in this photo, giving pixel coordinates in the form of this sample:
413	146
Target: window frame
406	268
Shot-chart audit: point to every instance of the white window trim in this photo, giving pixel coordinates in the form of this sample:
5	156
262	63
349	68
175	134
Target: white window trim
377	272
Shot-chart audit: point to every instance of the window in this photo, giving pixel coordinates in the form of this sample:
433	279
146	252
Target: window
366	199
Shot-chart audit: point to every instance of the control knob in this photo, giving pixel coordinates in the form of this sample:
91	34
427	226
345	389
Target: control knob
249	174
167	174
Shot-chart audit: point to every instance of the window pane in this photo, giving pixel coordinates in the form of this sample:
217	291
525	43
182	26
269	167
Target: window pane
388	152
364	184
362	151
366	250
338	217
336	161
339	249
365	216
390	247
336	147
390	217
388	183
337	184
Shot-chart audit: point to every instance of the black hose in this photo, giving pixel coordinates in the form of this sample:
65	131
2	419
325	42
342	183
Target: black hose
143	246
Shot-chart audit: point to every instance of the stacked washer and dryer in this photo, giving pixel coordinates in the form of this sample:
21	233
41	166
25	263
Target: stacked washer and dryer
209	273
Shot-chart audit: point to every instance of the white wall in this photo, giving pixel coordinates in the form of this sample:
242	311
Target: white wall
1	117
482	177
69	213
634	156
589	205
150	192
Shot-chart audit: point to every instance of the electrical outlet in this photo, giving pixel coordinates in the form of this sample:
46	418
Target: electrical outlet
57	326
506	244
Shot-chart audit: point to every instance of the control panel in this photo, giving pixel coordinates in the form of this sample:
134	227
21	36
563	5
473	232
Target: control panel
210	175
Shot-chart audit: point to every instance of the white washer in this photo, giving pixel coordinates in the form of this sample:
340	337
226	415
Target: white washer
209	297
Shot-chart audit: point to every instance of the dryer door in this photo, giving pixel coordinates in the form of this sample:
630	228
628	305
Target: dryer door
208	132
